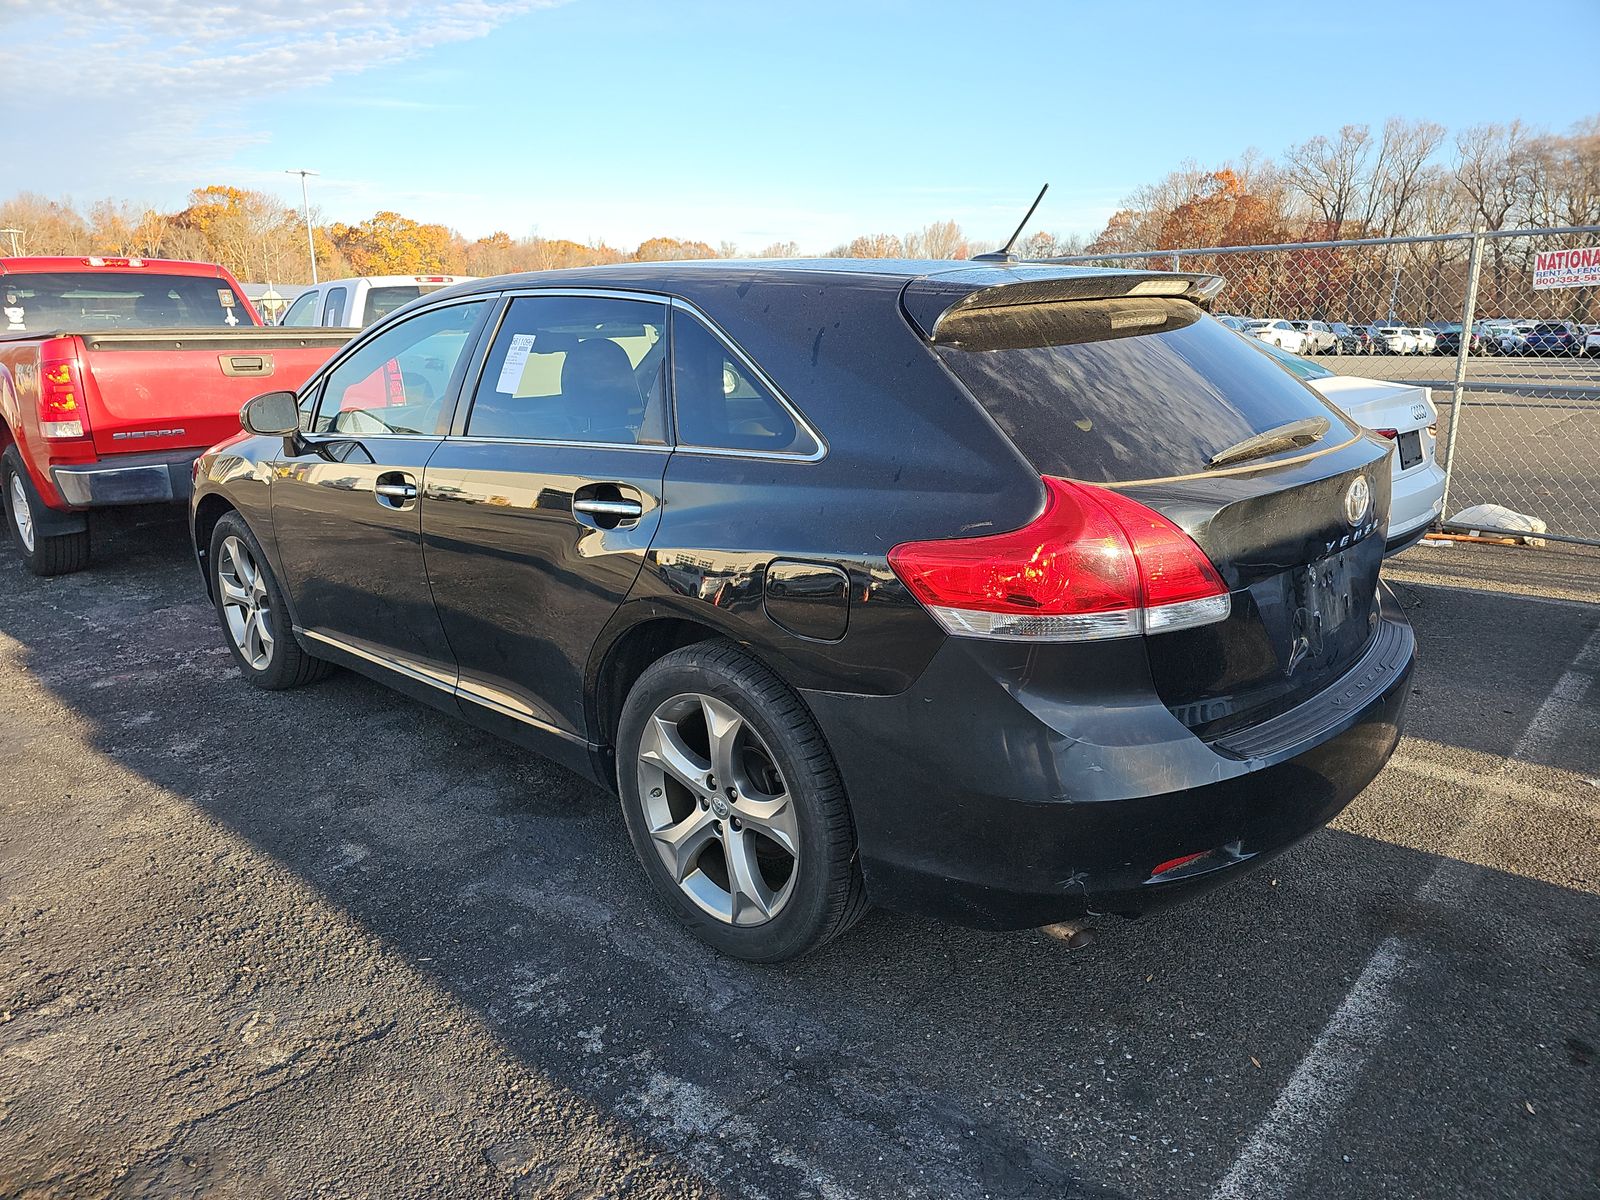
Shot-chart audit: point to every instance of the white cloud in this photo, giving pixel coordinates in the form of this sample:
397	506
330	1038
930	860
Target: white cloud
161	90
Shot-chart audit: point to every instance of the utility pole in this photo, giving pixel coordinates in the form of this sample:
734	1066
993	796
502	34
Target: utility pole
13	232
305	207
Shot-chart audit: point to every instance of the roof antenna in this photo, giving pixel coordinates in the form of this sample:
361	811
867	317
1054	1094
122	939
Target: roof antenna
1004	253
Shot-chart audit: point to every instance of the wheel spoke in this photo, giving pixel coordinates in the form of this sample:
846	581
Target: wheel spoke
723	727
263	632
773	816
750	892
663	747
232	593
684	840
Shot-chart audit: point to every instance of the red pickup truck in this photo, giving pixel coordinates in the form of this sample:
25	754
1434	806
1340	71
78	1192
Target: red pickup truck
115	374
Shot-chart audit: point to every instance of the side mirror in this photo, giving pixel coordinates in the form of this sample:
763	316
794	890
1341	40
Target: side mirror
272	414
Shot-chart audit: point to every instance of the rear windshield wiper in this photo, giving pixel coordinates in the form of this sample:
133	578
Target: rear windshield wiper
1290	436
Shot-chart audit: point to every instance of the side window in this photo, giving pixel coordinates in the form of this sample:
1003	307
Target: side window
575	369
397	382
303	312
333	307
719	404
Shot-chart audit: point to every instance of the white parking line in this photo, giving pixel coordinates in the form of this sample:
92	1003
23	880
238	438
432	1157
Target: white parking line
1269	1163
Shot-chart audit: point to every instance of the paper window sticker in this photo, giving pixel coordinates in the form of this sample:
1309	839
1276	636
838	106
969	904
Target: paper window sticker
227	297
516	362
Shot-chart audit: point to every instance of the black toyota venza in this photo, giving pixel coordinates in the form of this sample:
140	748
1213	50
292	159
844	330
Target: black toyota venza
1008	593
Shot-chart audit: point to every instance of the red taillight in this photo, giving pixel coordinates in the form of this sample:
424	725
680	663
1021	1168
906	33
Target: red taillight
1391	434
1093	565
61	403
99	261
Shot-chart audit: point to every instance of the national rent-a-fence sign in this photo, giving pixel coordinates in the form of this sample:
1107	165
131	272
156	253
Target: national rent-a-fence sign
1567	268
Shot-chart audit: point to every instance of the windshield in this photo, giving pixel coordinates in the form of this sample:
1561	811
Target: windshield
91	300
1122	390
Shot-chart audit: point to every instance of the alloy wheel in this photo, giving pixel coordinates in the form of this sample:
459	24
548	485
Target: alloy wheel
22	512
246	608
718	809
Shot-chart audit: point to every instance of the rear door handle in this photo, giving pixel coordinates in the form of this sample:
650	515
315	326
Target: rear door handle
628	510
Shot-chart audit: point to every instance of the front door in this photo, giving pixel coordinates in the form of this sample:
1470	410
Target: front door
536	517
347	510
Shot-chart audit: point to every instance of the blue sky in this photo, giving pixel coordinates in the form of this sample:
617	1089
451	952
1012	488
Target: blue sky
752	122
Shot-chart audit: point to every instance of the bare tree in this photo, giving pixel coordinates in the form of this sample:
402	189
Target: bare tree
1329	174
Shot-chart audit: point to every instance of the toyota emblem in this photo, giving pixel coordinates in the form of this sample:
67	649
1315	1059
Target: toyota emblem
1357	499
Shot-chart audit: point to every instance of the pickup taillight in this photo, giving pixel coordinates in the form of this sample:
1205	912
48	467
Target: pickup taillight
61	402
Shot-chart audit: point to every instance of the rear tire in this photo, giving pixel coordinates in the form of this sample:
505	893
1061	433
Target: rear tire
43	554
253	614
740	744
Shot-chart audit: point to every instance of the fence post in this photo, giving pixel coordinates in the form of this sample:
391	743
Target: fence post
1463	352
1175	262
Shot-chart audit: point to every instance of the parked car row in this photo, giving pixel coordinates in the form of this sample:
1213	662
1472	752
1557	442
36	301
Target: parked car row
1537	338
1093	594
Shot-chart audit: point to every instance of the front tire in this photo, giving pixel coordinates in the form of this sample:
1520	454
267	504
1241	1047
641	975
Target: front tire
43	554
735	807
253	614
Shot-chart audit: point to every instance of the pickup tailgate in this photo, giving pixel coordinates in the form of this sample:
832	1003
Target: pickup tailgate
173	389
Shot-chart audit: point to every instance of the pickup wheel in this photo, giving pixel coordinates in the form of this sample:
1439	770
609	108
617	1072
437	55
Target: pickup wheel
255	618
43	554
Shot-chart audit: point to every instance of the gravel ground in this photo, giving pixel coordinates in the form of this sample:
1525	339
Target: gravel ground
331	943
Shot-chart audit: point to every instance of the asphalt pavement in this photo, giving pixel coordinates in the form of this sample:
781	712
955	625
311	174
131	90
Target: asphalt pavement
333	943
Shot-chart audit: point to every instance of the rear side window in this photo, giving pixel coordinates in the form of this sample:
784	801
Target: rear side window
333	307
1112	391
575	369
719	402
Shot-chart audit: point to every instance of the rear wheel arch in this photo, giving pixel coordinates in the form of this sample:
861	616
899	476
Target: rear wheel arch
627	657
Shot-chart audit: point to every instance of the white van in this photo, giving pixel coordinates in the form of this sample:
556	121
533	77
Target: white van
352	303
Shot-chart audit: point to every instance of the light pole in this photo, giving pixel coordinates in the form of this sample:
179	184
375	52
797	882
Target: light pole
305	207
13	232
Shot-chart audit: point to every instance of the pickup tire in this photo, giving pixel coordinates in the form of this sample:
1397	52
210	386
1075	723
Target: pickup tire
250	603
42	554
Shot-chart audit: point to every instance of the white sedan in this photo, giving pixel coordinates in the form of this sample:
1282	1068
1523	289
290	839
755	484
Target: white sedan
1277	333
1404	414
1320	337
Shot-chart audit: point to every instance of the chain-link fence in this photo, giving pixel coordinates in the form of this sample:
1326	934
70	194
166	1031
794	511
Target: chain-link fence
1516	385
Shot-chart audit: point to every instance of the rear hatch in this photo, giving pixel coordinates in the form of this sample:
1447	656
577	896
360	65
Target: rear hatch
169	389
1147	395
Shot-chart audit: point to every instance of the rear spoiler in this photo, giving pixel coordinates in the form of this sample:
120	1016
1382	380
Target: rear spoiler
930	300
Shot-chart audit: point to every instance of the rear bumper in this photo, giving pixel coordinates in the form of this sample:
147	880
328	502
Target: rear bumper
134	479
991	799
1415	500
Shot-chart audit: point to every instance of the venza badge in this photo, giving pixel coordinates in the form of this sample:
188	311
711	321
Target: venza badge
1357	499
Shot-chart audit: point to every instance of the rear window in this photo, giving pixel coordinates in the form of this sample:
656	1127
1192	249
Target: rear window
381	301
88	300
1121	390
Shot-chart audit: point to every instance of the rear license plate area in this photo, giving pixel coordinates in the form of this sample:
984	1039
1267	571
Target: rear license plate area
1410	449
1328	609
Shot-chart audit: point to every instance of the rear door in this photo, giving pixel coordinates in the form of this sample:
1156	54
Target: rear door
346	510
538	510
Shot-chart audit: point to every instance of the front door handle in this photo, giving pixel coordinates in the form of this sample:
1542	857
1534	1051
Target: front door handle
626	510
395	489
